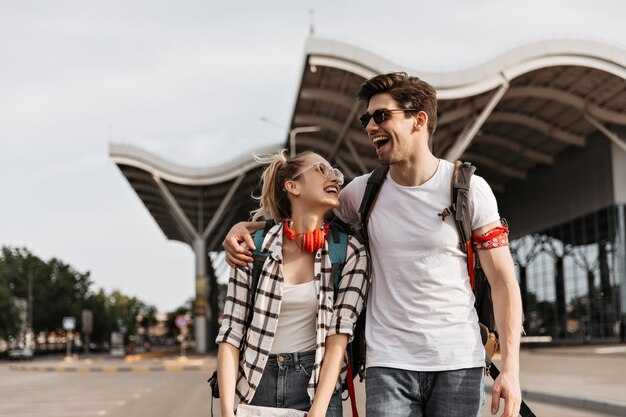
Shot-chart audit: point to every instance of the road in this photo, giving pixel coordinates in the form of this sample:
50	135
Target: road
52	394
153	394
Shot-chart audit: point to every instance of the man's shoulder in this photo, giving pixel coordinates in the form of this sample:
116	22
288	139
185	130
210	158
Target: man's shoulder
362	178
358	184
350	199
446	166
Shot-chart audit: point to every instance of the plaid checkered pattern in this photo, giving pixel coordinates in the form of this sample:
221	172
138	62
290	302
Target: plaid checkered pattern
333	316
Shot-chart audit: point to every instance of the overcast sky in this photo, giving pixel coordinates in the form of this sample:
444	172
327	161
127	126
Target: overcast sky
190	80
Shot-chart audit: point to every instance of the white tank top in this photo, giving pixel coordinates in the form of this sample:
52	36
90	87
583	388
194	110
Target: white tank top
295	331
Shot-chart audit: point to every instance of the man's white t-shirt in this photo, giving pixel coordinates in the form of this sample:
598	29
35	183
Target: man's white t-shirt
420	313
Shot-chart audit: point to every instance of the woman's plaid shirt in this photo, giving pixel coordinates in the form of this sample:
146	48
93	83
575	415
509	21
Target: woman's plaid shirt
333	316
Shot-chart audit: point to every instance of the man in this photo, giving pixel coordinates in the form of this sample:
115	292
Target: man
424	351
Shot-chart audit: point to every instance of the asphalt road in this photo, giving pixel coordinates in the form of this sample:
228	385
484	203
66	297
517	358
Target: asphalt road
153	394
52	394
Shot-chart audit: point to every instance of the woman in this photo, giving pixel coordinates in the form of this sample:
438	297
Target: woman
293	353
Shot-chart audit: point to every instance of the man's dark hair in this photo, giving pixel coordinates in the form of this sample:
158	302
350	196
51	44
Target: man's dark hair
410	92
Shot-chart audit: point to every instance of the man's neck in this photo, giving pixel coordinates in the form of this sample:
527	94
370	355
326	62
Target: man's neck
416	171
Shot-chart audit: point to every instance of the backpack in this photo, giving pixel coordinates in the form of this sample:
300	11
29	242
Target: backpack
459	207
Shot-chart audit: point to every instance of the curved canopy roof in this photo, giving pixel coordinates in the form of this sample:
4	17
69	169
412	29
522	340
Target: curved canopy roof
508	115
190	203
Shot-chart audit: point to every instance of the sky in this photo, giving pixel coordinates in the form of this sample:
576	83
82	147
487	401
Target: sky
190	81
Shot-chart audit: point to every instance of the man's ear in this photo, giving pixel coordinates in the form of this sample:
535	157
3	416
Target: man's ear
292	187
422	119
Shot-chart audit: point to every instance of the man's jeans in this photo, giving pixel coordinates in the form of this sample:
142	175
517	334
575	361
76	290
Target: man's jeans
400	393
284	383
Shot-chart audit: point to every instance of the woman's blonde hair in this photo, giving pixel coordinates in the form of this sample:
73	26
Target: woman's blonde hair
273	201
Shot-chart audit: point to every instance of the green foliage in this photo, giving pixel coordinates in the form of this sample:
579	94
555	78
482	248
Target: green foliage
9	318
58	290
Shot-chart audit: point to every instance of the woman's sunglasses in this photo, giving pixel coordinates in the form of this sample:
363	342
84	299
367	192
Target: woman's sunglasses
379	116
325	169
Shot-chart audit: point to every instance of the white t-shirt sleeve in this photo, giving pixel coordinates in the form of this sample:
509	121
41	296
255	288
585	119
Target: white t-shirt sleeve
350	200
482	203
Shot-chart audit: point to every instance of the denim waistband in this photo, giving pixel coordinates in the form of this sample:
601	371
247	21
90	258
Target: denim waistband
294	357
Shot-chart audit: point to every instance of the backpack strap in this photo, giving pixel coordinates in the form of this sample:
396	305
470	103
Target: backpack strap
461	179
374	182
259	260
337	248
459	197
459	208
351	393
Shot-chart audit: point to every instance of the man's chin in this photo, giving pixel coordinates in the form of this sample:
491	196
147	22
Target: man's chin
384	160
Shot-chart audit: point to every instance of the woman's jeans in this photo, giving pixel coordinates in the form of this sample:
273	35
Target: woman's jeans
400	393
284	384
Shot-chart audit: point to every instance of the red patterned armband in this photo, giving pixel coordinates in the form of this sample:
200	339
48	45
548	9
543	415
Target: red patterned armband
493	238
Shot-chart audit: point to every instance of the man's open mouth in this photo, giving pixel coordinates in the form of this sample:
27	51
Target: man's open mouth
380	141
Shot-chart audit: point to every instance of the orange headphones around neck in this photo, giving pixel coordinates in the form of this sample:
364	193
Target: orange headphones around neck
311	241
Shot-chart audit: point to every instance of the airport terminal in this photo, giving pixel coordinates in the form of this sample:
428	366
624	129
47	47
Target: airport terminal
545	123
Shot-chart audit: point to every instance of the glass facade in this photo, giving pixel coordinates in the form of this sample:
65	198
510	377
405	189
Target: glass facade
572	277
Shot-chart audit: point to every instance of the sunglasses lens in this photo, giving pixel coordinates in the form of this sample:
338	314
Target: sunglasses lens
365	119
339	176
378	116
324	169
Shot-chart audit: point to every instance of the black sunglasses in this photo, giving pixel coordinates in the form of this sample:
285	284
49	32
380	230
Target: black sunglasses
379	115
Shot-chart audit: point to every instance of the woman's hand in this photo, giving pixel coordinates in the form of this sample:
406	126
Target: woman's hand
236	253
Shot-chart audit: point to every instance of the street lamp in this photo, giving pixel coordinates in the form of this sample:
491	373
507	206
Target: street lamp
292	136
292	133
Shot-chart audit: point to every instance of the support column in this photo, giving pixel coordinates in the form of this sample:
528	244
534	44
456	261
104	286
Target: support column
620	258
523	286
592	312
606	294
470	131
559	282
213	307
201	305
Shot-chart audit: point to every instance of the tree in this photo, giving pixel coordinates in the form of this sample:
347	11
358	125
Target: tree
9	317
103	322
59	294
13	288
58	291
